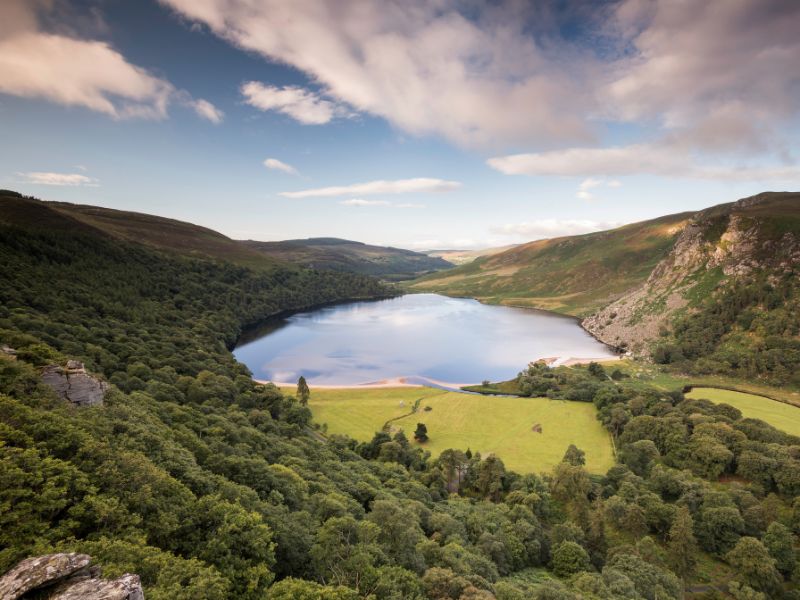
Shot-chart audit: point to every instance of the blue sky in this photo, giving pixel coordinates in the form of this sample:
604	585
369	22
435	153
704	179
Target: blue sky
417	124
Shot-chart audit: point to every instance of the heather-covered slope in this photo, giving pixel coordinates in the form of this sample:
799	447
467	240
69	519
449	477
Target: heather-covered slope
575	275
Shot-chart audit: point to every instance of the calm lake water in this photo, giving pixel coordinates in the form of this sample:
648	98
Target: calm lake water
419	335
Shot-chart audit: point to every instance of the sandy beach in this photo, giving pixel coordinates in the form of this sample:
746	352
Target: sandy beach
395	382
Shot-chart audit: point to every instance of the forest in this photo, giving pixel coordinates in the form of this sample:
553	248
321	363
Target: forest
212	486
748	328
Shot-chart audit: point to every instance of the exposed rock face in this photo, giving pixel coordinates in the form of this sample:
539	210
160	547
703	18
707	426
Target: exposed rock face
73	383
34	573
731	238
66	577
127	587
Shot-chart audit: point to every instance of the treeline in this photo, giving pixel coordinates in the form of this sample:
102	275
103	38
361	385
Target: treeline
749	328
211	486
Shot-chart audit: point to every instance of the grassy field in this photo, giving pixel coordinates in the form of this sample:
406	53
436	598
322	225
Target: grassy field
778	414
502	426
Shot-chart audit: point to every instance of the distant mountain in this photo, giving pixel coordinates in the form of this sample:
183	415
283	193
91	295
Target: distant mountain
575	275
336	254
462	257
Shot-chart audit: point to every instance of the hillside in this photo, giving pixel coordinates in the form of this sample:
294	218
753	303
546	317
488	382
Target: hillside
462	257
210	486
156	232
576	275
335	254
725	299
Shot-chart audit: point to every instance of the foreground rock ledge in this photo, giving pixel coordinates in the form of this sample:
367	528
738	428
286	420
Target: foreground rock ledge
66	576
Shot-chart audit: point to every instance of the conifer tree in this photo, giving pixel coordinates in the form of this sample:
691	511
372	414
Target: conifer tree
303	392
681	545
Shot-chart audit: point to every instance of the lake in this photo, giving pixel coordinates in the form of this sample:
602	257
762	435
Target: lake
428	336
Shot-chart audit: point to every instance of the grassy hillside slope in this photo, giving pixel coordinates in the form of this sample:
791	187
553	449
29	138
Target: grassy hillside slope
335	254
726	298
575	275
462	257
156	232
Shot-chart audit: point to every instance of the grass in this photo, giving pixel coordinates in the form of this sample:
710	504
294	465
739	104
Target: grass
572	275
502	426
360	412
778	414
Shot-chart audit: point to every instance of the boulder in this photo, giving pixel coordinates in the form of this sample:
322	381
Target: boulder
73	383
66	576
127	587
41	571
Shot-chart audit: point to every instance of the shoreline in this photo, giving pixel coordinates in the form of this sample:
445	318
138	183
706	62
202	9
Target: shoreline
419	382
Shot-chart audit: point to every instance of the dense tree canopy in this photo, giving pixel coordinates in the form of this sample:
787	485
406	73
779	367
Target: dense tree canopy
211	486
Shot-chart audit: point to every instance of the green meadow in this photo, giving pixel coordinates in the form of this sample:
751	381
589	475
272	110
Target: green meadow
530	435
778	414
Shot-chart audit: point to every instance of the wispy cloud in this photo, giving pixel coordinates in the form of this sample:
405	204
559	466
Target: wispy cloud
637	159
207	111
302	105
719	78
60	179
279	165
72	71
397	186
549	228
361	202
590	183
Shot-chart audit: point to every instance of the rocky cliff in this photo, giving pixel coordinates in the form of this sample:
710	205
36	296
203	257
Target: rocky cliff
724	243
72	383
66	577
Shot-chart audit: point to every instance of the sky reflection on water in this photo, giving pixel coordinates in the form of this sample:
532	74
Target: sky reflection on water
448	339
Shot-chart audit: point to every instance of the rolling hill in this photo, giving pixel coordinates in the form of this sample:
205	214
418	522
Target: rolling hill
714	291
575	275
187	239
462	257
160	233
334	254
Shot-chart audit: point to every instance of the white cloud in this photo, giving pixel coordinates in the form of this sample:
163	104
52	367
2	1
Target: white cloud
79	72
398	186
279	165
636	159
590	183
471	73
549	228
718	76
362	202
208	111
61	179
300	104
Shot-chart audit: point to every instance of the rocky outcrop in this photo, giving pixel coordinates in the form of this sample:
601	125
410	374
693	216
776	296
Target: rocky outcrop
73	383
66	576
728	241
